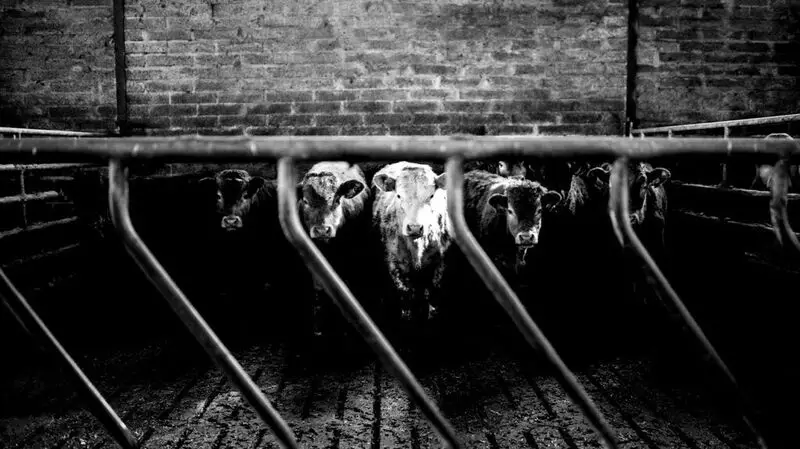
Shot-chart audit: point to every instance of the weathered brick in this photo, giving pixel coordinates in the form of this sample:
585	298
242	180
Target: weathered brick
221	109
288	96
339	120
289	120
274	108
467	106
317	131
247	120
388	119
173	110
240	97
432	94
335	95
383	94
318	107
415	130
415	107
177	98
430	119
367	106
203	121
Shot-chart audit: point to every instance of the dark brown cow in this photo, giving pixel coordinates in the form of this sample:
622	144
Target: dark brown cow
410	216
237	193
505	214
333	207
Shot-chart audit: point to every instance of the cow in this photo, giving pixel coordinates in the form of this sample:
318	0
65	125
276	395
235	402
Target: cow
333	203
410	218
505	215
248	247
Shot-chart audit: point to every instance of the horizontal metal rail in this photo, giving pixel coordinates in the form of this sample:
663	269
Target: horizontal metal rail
15	167
508	299
46	195
118	196
618	210
348	304
721	124
194	148
46	132
30	322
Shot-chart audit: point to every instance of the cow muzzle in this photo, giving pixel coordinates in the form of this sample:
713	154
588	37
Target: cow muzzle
413	231
527	239
321	232
231	222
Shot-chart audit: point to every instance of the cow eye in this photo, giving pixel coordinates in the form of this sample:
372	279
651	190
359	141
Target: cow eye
398	196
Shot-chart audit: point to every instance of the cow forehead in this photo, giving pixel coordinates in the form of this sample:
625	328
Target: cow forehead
524	196
323	185
412	179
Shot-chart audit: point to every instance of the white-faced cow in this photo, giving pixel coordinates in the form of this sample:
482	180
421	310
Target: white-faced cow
410	215
333	202
505	215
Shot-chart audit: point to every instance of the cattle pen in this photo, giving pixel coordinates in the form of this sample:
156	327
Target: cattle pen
506	402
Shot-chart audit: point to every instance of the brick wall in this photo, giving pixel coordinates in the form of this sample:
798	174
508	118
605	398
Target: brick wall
376	67
706	60
57	64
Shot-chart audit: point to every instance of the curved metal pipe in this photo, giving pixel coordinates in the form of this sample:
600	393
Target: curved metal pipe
348	304
505	295
118	197
618	210
35	327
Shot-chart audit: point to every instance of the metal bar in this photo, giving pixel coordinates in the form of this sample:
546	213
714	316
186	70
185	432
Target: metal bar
45	132
195	148
118	197
721	124
349	305
619	212
38	226
726	134
632	63
505	295
120	76
29	197
777	206
35	327
13	167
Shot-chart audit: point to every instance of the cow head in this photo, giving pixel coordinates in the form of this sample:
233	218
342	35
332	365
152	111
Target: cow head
235	190
643	181
511	168
522	205
415	190
321	196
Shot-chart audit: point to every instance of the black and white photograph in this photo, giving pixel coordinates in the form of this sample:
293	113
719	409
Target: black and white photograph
367	224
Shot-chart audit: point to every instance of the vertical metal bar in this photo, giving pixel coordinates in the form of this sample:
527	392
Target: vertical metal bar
619	212
119	68
348	304
505	295
632	63
726	135
35	327
118	196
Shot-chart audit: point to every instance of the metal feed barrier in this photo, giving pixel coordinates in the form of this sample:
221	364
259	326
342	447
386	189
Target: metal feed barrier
287	150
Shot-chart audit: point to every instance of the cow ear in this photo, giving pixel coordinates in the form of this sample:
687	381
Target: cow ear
441	181
599	174
658	176
765	173
499	202
551	198
384	182
254	184
350	188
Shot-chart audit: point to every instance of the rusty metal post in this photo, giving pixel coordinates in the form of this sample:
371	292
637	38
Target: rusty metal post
118	196
619	212
348	304
27	318
505	295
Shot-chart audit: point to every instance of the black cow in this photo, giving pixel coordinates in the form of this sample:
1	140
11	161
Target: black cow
333	203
